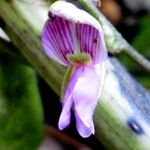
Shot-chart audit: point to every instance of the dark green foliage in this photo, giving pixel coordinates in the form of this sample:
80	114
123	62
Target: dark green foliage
21	126
142	41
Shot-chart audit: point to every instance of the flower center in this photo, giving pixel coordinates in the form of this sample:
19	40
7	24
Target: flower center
79	59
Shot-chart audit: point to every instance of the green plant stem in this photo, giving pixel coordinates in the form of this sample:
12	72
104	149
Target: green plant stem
29	43
122	98
115	42
140	59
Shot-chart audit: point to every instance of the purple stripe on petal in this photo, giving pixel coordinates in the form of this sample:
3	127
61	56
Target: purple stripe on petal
57	39
91	41
66	32
50	45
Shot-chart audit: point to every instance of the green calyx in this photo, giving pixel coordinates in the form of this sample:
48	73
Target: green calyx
79	59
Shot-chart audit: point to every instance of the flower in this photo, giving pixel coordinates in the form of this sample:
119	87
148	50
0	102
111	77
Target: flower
75	39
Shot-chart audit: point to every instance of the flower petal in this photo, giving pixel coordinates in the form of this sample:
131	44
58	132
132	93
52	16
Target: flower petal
64	119
83	130
57	39
72	33
91	41
67	101
85	96
63	9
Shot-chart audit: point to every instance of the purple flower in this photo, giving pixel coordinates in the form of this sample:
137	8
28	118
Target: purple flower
74	38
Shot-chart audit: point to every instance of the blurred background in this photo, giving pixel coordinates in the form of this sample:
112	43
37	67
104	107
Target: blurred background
132	20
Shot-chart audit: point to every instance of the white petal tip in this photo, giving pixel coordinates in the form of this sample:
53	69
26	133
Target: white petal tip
63	8
60	127
86	135
62	124
93	132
